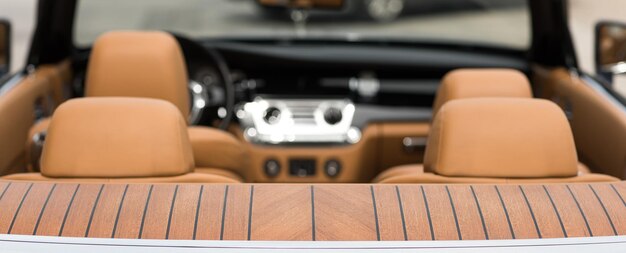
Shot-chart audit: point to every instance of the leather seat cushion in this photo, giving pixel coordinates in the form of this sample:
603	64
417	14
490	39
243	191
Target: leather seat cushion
431	178
411	170
185	178
401	170
215	148
220	172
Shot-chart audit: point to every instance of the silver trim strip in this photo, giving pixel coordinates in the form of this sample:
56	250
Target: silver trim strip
199	99
298	121
24	243
616	68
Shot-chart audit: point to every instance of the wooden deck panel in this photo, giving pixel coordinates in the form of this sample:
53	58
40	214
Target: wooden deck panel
312	212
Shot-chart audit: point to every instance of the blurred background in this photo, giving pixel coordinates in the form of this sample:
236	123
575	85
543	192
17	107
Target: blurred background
493	25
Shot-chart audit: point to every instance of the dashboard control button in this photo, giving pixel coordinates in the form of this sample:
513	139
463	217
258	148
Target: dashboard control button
272	168
333	115
332	168
272	115
302	167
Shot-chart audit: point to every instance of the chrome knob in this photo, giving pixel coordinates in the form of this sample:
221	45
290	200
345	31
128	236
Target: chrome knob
272	115
333	115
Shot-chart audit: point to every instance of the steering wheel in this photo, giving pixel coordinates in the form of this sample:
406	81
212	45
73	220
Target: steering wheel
210	85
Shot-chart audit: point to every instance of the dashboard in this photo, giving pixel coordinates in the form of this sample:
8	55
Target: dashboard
324	111
291	91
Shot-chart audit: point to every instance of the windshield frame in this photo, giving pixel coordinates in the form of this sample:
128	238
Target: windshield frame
343	36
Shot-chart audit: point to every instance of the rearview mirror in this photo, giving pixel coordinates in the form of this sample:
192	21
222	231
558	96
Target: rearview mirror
5	48
610	49
304	4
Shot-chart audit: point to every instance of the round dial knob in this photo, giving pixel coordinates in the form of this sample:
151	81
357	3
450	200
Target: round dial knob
272	115
333	115
272	168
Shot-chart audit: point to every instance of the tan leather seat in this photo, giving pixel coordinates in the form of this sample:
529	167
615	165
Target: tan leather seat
469	83
481	83
500	140
151	65
118	139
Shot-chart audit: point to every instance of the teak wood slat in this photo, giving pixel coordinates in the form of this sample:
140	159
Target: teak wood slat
312	212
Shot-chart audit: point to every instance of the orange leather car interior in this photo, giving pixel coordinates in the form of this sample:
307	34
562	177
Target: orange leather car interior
118	139
500	140
469	83
218	149
138	64
31	97
472	83
151	65
381	147
597	123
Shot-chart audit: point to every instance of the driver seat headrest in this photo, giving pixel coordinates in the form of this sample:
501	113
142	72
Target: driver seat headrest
476	83
138	64
116	138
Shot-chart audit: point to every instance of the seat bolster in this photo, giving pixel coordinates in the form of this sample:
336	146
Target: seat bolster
430	178
186	178
407	169
411	170
214	148
219	172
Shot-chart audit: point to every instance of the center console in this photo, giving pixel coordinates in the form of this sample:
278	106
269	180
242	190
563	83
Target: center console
292	124
323	140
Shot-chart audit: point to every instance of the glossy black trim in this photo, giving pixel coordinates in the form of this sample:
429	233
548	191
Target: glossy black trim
8	55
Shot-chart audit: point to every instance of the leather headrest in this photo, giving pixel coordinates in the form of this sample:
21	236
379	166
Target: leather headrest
501	138
138	64
116	138
475	83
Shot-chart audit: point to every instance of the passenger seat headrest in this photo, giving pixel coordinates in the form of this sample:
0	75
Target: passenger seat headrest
475	83
501	138
138	64
116	138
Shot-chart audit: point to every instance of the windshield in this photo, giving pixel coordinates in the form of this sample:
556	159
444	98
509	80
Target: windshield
502	23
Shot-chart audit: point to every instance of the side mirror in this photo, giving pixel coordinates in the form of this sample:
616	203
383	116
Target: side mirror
5	47
610	49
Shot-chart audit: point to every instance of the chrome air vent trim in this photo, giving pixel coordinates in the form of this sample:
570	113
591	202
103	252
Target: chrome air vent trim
299	121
